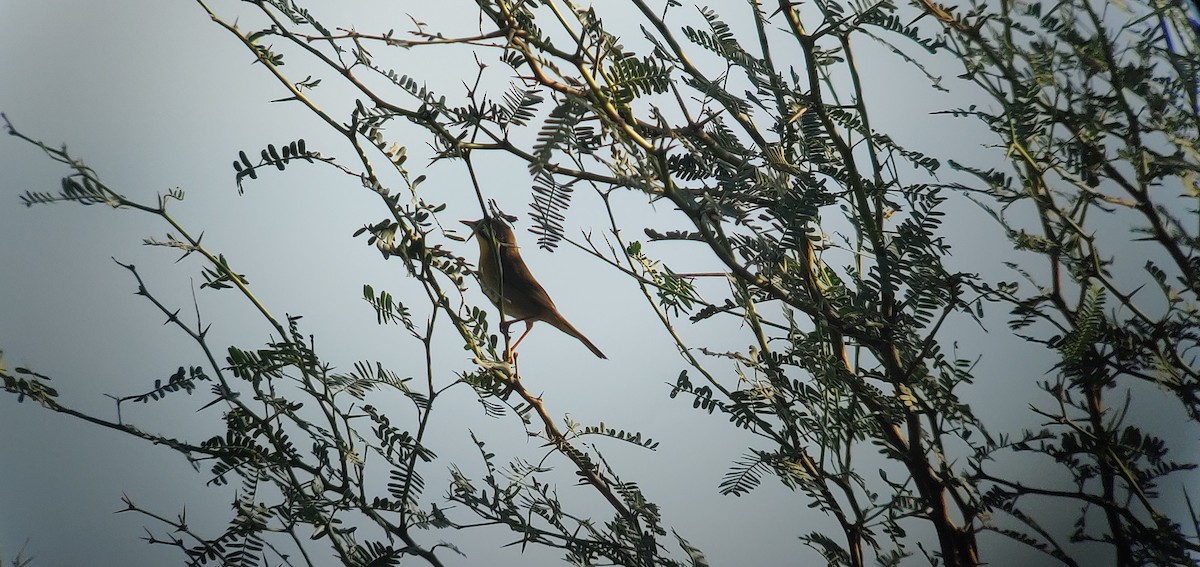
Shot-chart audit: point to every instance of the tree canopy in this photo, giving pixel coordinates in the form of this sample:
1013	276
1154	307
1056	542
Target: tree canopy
822	326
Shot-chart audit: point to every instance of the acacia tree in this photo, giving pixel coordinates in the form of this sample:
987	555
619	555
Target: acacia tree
761	135
1097	109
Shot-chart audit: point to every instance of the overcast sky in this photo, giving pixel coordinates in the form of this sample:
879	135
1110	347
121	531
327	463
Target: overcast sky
154	96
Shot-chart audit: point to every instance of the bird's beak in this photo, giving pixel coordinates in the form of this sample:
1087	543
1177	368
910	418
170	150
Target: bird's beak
474	225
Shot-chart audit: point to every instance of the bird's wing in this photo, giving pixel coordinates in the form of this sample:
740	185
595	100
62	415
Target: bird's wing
522	290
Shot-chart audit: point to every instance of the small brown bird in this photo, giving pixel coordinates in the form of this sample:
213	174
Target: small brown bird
505	278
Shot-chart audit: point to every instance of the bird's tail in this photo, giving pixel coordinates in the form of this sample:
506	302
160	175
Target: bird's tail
562	325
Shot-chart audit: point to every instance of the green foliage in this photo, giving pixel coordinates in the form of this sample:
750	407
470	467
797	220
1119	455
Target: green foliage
520	106
387	310
631	437
631	78
551	198
721	40
837	308
1090	106
181	380
34	387
220	276
271	156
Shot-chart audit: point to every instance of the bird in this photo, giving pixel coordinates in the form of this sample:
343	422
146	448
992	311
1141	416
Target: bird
507	282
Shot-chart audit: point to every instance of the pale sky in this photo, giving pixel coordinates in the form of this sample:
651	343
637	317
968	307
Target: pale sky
154	96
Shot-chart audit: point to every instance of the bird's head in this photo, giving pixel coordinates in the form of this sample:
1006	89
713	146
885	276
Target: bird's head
492	231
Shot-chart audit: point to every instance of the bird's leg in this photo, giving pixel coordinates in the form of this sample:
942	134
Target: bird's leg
504	325
528	327
511	352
